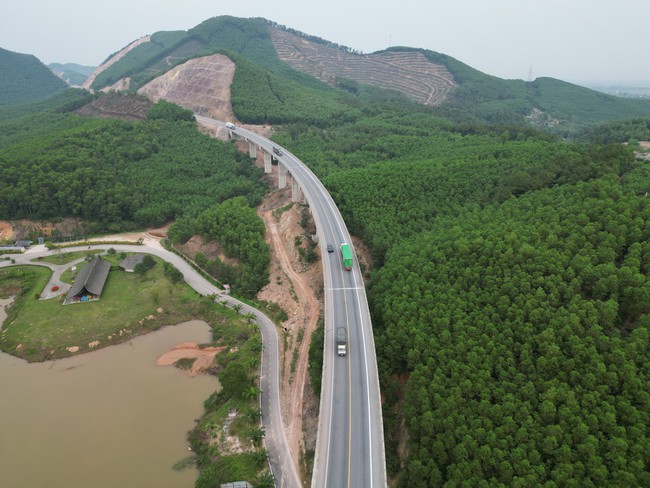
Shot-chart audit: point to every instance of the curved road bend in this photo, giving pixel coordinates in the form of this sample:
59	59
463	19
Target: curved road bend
350	446
275	442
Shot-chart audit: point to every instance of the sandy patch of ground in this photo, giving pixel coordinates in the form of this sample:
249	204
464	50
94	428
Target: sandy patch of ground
6	231
11	230
20	229
149	237
204	357
210	250
4	304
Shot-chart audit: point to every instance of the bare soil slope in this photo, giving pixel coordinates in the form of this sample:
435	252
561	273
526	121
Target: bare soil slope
130	107
112	60
201	85
407	72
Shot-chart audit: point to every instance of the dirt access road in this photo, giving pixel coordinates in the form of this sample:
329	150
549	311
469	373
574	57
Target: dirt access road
299	404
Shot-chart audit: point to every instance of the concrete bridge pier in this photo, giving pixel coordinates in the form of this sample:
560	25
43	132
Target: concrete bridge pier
282	176
252	149
296	191
267	162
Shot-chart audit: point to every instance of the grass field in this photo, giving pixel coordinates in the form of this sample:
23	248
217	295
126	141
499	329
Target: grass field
67	257
129	305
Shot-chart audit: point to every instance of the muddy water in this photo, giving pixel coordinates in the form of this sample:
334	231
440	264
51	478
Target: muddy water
107	419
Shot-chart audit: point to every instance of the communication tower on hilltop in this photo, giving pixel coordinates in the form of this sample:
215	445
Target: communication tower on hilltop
530	74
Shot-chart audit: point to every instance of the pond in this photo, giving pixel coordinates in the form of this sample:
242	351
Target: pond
104	419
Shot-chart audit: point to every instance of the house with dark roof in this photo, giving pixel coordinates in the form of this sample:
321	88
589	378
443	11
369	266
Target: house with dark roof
24	244
129	263
89	282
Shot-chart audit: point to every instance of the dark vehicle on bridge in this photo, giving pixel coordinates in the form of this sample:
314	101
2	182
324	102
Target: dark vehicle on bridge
277	151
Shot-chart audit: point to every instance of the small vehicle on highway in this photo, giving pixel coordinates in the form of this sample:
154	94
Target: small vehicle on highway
230	125
341	341
330	248
277	151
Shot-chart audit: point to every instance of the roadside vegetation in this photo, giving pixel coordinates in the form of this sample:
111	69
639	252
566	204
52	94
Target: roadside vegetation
66	257
228	439
240	232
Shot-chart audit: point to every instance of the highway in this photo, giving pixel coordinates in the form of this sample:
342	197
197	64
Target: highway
350	445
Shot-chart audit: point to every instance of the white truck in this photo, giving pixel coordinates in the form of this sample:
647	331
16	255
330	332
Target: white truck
230	125
341	341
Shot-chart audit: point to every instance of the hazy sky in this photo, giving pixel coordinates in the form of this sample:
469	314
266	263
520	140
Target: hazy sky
574	40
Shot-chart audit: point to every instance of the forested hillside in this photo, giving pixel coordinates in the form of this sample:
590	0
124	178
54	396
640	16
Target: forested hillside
511	298
23	79
522	330
262	97
249	38
72	73
115	174
624	131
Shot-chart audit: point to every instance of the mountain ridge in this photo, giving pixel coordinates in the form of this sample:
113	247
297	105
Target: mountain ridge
24	79
423	76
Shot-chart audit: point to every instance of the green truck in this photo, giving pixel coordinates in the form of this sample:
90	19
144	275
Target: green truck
346	253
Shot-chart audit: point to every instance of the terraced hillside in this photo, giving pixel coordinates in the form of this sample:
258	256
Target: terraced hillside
407	72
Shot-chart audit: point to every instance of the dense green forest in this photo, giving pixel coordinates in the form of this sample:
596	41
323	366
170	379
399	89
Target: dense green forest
119	175
624	131
522	330
260	97
240	232
510	298
23	79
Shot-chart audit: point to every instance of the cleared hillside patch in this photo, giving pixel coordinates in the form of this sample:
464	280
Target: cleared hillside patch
407	72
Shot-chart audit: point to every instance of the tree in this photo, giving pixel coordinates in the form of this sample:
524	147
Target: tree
251	393
234	379
148	261
265	480
172	273
140	269
256	434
